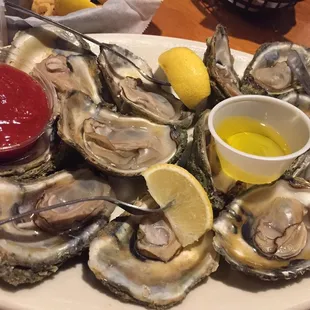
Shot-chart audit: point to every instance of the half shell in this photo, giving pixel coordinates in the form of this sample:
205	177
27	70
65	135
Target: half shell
268	73
73	72
265	232
63	58
32	46
34	248
117	144
116	262
136	96
218	59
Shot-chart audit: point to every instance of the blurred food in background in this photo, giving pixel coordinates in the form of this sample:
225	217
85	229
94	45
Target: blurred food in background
63	7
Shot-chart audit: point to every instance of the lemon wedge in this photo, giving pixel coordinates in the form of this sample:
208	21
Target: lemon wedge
187	74
191	214
64	7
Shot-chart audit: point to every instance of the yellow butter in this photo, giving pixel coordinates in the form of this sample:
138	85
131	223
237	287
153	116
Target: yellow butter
250	136
253	137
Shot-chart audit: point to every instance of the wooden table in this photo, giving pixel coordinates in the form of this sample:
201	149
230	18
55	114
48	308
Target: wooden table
197	19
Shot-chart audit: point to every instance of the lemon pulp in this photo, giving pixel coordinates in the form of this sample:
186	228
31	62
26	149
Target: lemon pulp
253	137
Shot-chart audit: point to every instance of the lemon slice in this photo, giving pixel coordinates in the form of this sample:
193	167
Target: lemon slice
64	7
191	214
187	74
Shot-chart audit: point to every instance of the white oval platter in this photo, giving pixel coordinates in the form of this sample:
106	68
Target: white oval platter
75	288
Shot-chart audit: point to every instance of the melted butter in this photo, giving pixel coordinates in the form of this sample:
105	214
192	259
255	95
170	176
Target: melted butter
253	137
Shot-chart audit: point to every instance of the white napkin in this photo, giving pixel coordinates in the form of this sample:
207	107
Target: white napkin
122	16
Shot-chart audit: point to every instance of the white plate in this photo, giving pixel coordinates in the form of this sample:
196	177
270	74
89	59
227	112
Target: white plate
75	288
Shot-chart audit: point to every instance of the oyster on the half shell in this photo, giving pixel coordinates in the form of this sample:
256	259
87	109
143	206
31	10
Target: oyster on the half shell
224	80
140	260
34	248
33	45
73	72
269	73
135	96
265	231
204	164
117	144
63	58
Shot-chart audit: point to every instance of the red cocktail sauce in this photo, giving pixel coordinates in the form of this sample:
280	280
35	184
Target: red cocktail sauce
24	112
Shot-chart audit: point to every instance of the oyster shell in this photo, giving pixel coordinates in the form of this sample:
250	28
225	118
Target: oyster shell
300	167
64	59
268	73
136	97
48	155
32	46
117	144
156	282
224	80
34	249
265	231
204	164
299	99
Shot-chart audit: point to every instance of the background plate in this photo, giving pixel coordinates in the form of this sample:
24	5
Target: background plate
75	288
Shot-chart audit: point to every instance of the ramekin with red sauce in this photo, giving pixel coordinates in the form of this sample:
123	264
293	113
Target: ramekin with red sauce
26	109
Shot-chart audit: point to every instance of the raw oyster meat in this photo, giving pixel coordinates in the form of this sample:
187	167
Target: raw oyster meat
156	239
135	96
204	164
74	72
117	144
265	231
140	260
224	80
35	247
268	73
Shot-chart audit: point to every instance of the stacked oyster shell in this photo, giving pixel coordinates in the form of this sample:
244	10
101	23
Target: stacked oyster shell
110	125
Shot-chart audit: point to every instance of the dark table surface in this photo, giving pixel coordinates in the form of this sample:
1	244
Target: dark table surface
197	19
